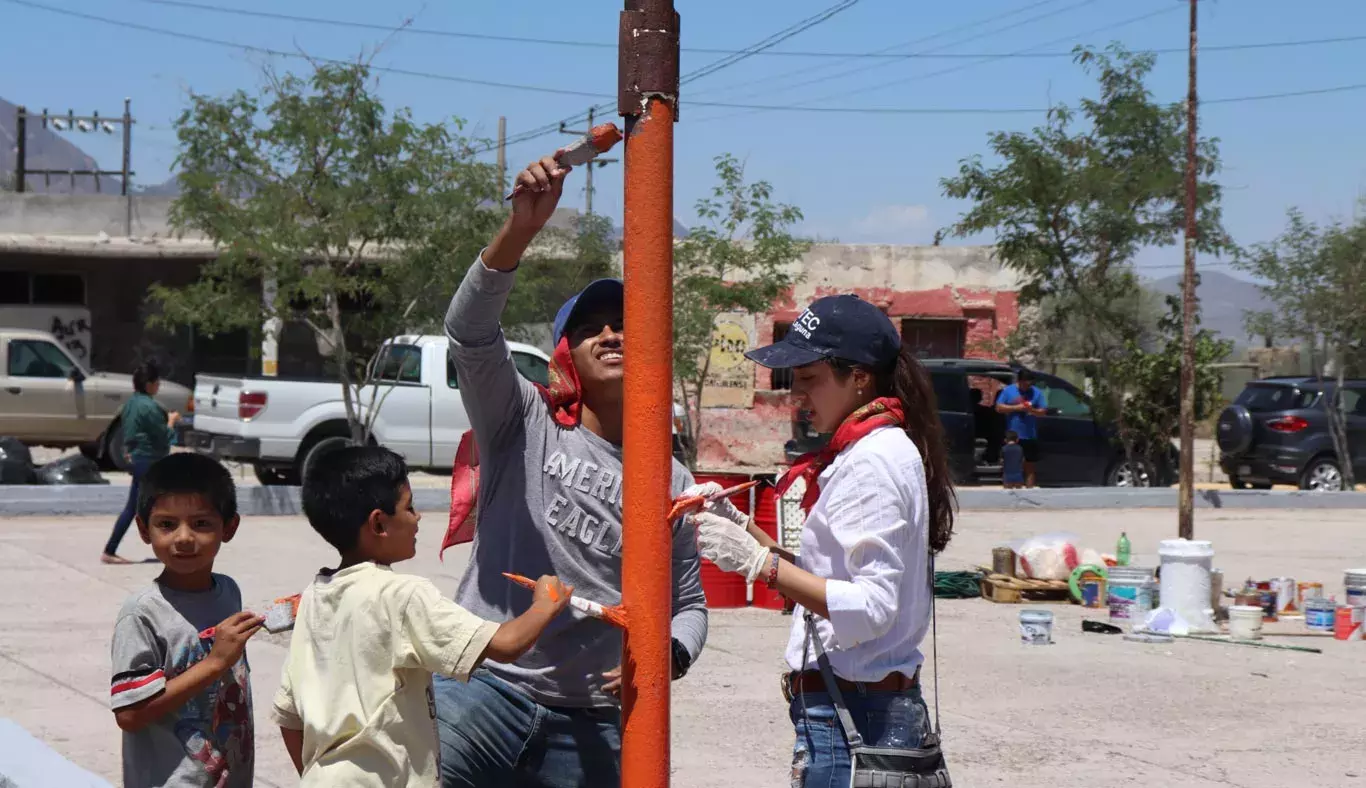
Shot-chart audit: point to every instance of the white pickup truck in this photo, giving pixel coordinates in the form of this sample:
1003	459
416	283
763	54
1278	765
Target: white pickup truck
279	425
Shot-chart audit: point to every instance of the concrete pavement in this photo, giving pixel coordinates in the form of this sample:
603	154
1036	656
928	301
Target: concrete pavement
1091	710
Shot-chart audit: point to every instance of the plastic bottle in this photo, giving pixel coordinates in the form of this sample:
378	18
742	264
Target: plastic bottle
1122	550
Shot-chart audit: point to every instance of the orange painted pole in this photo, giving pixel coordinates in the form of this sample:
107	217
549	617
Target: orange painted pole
647	98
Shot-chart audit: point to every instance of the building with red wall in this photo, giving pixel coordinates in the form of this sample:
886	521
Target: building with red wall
948	302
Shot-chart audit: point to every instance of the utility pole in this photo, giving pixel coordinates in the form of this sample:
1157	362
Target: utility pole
77	123
647	97
502	154
1186	496
588	176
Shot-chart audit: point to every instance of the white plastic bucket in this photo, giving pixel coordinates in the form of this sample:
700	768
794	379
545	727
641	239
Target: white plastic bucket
1245	622
1185	581
1036	627
1129	594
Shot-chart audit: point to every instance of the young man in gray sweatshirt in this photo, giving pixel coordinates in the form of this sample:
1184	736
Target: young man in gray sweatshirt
549	503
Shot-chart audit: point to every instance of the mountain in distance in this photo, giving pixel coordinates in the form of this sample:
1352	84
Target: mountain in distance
1223	300
48	150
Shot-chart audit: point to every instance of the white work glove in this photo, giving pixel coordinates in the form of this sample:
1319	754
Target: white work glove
729	546
722	507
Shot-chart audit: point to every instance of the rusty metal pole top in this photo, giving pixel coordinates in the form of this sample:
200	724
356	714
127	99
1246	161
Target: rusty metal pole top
648	56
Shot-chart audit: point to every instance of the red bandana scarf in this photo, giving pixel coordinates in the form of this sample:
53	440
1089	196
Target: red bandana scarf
564	396
881	412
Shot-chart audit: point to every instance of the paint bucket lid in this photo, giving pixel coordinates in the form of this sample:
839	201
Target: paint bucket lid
1129	574
1185	548
1356	578
1036	616
1246	610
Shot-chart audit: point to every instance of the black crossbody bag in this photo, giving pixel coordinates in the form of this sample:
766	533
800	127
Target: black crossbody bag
887	767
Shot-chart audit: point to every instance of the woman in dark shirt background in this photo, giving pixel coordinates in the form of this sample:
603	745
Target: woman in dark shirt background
148	432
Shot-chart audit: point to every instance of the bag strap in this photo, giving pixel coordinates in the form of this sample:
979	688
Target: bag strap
832	688
851	734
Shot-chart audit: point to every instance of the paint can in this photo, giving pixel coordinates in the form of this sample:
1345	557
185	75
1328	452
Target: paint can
1267	599
1003	561
1347	622
1036	627
1245	622
1129	594
1318	614
1285	588
1092	591
1308	591
1355	581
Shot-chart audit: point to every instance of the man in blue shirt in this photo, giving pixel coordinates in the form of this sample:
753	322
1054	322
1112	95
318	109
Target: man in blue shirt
1022	405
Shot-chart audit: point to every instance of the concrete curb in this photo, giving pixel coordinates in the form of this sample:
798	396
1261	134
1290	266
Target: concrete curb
25	500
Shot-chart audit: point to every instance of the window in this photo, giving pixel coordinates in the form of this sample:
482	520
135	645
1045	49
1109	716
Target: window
1353	403
951	390
532	368
66	289
1259	399
401	364
452	380
931	338
1065	402
33	359
780	379
13	287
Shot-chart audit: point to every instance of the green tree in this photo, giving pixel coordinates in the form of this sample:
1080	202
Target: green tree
1072	202
738	260
1137	392
557	267
363	219
1315	278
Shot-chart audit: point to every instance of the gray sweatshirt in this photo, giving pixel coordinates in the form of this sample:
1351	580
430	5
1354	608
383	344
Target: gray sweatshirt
549	504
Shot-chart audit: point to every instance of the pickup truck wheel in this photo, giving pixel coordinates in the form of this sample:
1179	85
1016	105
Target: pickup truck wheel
1130	473
114	458
322	447
275	477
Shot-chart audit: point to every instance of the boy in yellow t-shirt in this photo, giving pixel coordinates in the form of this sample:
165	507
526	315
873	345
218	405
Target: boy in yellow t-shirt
355	704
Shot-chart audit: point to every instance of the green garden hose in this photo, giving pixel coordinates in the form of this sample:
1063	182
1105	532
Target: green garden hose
957	585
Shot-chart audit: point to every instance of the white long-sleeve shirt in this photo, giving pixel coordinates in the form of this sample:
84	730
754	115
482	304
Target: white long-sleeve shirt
867	535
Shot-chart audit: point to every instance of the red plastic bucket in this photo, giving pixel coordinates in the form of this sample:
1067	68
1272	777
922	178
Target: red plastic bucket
766	518
725	589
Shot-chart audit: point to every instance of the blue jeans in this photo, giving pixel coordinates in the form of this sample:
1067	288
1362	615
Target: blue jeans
820	757
130	509
495	736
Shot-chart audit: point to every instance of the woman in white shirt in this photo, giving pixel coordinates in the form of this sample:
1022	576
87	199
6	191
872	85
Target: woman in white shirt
879	500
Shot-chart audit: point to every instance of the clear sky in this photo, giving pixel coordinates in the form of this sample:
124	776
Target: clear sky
858	177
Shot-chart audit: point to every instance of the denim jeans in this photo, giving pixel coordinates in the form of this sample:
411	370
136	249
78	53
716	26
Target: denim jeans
820	757
493	735
130	509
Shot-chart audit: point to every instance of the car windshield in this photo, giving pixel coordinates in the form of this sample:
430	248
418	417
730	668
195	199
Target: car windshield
1260	399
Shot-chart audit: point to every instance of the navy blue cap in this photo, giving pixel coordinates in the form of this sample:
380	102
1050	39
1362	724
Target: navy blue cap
597	293
841	326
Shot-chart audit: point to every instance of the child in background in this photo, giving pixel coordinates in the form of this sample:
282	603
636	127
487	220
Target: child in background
184	704
355	704
1012	462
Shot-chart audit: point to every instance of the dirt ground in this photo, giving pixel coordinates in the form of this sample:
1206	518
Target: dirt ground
1090	710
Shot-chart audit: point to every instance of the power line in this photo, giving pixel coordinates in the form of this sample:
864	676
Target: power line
827	75
1008	110
707	70
299	55
612	45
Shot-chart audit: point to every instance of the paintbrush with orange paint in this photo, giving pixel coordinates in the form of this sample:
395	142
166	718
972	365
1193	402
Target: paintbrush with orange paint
612	614
278	618
596	142
694	503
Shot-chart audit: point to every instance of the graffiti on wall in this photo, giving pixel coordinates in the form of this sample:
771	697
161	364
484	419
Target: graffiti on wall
730	376
69	324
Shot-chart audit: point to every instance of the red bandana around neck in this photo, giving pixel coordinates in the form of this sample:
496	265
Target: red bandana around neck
564	396
881	412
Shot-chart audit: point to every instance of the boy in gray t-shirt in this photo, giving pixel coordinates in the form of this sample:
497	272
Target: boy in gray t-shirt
180	689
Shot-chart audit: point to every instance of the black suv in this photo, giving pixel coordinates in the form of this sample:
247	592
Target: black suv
1276	432
1075	448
